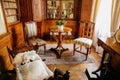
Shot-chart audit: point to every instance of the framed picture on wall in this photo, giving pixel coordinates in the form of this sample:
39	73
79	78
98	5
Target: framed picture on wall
2	21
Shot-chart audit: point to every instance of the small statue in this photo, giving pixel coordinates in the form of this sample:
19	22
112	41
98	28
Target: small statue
59	75
66	76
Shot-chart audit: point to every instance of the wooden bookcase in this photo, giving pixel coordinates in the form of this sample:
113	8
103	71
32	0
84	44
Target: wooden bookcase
11	11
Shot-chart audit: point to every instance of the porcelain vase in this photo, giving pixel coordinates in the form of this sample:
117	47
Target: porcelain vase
61	28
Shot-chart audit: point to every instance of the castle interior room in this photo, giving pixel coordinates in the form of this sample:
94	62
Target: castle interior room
59	39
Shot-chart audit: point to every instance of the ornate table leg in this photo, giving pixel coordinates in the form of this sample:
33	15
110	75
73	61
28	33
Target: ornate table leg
101	64
59	49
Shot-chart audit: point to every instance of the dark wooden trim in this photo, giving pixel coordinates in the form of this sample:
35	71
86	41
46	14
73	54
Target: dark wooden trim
4	40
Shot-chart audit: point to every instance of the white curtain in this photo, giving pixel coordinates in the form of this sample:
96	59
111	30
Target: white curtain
115	23
103	21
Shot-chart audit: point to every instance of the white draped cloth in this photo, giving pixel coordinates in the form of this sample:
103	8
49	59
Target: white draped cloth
29	66
103	22
31	28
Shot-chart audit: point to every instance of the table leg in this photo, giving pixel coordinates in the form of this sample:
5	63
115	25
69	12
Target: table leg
59	49
101	64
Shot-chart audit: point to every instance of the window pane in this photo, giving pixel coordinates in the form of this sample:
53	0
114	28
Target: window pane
2	23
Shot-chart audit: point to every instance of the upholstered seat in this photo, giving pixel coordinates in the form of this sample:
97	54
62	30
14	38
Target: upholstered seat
85	39
37	41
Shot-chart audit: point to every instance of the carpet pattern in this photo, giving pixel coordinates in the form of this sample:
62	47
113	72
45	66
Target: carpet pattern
67	56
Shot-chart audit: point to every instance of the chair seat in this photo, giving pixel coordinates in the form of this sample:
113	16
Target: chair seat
38	41
83	41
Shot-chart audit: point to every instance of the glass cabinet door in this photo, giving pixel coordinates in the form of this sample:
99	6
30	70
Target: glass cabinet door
67	9
60	9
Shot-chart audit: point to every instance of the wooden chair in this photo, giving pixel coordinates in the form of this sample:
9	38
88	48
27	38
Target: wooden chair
32	37
86	31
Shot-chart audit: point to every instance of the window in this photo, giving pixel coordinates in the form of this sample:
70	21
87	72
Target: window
60	9
2	22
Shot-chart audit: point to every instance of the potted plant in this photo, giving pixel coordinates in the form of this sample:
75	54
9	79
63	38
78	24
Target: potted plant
60	24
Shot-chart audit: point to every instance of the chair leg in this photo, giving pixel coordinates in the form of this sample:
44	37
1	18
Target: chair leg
70	38
74	45
89	50
80	47
44	48
87	53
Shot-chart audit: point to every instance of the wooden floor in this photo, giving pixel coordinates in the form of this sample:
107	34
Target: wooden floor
77	72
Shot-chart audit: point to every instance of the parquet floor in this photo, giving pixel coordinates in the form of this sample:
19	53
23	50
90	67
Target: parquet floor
77	71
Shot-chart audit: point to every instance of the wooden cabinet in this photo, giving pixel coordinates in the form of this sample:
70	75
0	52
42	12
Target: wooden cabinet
37	6
86	8
26	10
47	11
11	11
17	34
60	9
4	55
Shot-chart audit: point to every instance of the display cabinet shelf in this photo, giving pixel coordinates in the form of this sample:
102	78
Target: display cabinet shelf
12	15
11	10
9	0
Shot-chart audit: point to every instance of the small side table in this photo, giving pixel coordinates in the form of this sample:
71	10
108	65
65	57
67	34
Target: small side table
59	49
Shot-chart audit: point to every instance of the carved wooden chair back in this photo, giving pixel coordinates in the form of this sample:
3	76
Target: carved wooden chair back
86	29
86	32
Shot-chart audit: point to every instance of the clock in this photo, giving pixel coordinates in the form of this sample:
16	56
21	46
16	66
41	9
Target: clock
117	36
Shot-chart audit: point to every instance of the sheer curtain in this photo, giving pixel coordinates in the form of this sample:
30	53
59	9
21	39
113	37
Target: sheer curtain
103	22
115	16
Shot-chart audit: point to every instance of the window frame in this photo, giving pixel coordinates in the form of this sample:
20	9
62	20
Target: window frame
3	26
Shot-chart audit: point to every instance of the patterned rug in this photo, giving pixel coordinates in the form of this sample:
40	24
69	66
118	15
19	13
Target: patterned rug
66	58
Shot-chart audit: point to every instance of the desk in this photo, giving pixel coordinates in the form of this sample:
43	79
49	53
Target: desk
113	49
59	49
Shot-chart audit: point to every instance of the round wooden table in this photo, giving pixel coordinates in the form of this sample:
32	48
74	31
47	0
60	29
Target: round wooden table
59	49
